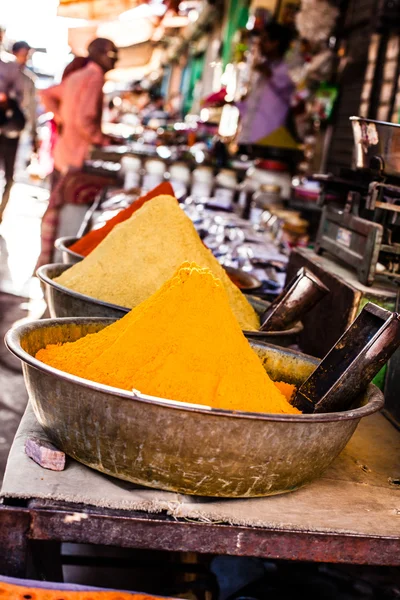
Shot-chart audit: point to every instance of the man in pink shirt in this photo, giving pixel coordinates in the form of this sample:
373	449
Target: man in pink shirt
77	105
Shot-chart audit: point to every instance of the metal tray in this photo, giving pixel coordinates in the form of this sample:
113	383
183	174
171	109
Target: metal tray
180	447
64	302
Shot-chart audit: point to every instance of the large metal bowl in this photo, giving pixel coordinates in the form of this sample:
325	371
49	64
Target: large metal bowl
64	302
68	256
176	446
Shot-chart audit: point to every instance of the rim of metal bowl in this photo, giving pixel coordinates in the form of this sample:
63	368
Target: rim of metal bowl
61	244
12	341
42	275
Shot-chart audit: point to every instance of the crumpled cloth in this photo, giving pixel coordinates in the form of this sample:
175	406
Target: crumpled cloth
347	498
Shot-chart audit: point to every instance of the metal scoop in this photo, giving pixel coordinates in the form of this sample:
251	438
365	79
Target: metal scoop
300	296
352	363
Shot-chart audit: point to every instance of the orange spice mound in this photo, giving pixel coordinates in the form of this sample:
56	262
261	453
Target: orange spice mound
9	591
287	389
183	343
91	240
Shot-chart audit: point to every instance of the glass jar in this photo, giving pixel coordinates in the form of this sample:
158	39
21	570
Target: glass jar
154	174
202	183
266	197
131	167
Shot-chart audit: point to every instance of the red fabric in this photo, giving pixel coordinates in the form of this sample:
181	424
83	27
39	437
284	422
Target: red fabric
73	188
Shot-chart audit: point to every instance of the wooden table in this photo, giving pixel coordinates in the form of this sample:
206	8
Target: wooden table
365	493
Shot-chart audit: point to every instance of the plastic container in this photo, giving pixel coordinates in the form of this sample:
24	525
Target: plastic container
202	182
268	196
131	168
180	178
270	172
154	174
225	188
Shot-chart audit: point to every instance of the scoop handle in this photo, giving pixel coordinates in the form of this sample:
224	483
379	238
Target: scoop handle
352	363
299	297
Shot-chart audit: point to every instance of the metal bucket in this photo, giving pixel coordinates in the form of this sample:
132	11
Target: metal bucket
376	144
68	256
176	446
64	302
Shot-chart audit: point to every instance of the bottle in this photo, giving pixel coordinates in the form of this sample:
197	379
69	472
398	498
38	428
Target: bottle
267	196
202	183
225	188
154	174
179	175
131	169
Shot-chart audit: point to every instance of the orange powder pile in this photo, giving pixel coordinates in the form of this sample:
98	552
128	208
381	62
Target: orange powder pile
196	353
287	389
91	240
9	591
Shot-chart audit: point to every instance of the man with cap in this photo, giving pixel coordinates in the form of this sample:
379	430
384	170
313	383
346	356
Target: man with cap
77	105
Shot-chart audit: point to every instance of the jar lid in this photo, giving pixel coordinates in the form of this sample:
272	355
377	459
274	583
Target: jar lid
132	162
229	172
270	188
271	165
155	166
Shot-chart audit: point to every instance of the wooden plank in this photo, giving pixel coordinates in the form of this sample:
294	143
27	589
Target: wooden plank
133	530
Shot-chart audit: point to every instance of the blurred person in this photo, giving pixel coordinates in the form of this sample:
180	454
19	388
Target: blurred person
77	105
154	110
18	105
266	106
21	51
51	101
174	106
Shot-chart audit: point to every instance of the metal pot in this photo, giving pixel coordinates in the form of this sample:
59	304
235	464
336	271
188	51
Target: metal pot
176	446
68	256
376	145
64	302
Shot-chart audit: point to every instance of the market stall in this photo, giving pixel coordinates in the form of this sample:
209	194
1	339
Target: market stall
218	372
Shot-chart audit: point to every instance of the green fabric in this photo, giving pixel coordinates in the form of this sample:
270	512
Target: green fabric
195	72
238	14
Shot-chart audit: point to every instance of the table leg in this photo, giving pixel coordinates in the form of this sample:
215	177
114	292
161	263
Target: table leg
46	561
14	529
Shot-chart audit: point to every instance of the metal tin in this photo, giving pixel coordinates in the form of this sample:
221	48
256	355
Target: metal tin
64	302
298	298
180	447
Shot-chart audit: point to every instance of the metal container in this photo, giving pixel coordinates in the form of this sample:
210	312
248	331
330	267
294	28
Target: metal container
68	256
298	298
176	446
376	145
64	302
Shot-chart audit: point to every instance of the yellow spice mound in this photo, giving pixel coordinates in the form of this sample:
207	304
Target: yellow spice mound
183	343
142	253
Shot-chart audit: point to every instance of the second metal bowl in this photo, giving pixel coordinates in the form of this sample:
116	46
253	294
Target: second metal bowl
64	302
69	257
